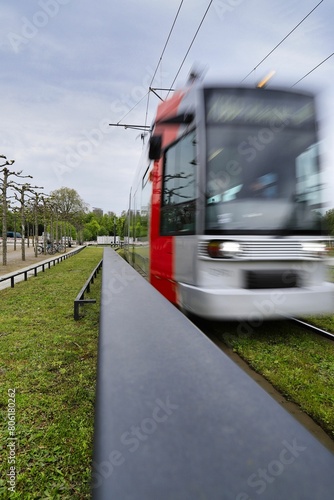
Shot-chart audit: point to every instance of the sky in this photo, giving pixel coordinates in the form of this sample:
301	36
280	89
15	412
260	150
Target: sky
71	67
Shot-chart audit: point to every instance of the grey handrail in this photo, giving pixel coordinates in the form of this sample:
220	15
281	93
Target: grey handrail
177	419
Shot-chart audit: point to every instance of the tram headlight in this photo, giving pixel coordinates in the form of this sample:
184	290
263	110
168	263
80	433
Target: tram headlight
314	248
224	249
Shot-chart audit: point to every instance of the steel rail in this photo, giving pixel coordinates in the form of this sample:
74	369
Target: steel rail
314	329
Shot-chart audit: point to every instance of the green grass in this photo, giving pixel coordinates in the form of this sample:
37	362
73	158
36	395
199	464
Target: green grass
50	361
299	364
324	322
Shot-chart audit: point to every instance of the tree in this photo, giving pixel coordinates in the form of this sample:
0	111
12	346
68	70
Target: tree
22	191
5	185
328	220
93	229
121	224
68	201
70	206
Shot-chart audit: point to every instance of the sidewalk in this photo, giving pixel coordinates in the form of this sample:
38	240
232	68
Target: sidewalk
14	258
15	262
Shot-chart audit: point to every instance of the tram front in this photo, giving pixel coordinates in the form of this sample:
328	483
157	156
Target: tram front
262	251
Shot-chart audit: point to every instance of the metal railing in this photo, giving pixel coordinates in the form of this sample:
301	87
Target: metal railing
120	244
43	265
80	298
177	419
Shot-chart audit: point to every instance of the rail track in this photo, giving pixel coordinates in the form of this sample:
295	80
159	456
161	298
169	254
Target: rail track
314	329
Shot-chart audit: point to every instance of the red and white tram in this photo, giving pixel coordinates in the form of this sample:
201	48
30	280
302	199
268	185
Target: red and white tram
225	210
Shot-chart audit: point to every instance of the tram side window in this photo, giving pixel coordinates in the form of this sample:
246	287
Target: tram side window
145	206
179	188
308	182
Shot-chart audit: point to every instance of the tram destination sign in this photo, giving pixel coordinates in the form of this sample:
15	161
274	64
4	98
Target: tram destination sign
259	107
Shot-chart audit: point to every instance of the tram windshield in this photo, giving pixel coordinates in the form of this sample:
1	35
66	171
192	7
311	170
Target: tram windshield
262	163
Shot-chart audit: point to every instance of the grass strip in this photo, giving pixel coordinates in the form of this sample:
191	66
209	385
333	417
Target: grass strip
50	361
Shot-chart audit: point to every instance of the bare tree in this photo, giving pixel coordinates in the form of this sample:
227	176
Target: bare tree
23	190
4	186
4	207
37	207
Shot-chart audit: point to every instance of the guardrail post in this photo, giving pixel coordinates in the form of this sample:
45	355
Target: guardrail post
76	310
80	298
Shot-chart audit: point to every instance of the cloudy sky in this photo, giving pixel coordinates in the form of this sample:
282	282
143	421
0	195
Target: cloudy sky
71	67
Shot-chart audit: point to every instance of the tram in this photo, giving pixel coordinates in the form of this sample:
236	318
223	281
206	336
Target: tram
225	212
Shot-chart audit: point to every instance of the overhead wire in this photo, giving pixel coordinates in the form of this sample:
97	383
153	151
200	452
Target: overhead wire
191	44
166	43
155	72
313	69
133	107
160	59
283	39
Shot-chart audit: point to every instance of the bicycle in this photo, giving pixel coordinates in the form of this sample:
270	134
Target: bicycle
59	247
50	248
